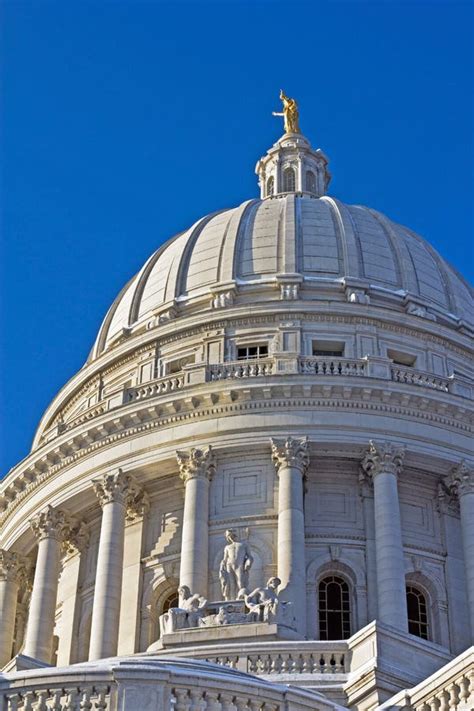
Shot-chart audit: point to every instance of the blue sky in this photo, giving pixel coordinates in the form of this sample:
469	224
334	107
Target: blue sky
123	122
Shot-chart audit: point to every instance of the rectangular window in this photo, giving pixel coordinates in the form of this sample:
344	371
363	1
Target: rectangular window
176	366
329	349
252	352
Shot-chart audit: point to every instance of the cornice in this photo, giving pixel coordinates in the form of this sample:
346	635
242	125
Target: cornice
40	466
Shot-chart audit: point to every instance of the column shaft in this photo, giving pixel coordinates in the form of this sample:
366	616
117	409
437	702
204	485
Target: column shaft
391	587
39	632
291	459
108	582
8	602
466	502
194	565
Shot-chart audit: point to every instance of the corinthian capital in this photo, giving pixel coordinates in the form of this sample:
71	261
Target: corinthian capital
383	457
13	566
118	486
52	523
196	463
460	480
290	453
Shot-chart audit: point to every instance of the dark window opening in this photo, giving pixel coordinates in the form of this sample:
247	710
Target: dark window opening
329	349
171	601
334	609
270	186
399	358
417	613
289	180
310	181
251	352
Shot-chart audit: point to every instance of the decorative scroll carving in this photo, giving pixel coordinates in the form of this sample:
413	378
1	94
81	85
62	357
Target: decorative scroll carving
13	567
460	480
383	457
76	539
118	486
235	566
52	523
291	453
196	463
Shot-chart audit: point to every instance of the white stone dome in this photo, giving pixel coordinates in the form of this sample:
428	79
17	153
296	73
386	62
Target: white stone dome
319	241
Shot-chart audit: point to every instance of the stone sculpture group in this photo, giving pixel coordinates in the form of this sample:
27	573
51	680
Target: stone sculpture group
239	606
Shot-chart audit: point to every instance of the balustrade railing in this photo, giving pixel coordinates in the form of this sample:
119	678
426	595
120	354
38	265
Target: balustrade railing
418	377
451	688
318	365
170	383
52	698
241	369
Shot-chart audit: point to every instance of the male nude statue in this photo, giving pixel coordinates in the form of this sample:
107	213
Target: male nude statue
235	566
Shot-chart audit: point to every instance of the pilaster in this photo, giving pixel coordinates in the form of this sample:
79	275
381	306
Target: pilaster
13	573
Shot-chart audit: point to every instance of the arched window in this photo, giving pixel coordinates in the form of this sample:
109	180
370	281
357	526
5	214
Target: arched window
171	601
334	608
310	181
417	613
270	186
289	180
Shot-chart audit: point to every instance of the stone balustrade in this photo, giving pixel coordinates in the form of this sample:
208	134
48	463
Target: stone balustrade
450	688
418	377
278	658
148	683
318	365
169	384
241	369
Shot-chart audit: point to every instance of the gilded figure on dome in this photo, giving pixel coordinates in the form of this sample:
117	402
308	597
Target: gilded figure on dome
290	113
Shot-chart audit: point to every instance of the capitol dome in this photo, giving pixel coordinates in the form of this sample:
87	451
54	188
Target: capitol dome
320	241
258	492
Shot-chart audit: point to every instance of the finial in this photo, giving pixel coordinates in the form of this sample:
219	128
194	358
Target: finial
290	113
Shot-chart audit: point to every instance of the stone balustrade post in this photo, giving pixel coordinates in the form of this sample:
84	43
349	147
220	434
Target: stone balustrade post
461	482
116	493
291	460
196	469
52	528
12	574
383	463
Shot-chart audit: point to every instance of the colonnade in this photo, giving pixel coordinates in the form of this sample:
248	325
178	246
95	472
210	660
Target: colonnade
120	496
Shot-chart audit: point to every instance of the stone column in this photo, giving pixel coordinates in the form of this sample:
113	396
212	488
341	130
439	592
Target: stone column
383	463
116	492
461	482
52	527
291	459
196	470
12	574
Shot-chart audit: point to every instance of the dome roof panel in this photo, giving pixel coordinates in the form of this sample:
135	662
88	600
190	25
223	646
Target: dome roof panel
258	253
204	263
378	257
321	249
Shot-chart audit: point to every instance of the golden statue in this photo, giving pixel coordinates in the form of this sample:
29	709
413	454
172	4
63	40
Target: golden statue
290	113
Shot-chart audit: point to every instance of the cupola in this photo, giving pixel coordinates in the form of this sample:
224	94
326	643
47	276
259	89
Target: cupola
291	164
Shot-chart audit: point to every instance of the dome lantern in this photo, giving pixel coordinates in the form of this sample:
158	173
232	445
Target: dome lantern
291	164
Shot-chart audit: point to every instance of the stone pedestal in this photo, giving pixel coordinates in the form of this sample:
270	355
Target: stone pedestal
383	463
196	469
291	459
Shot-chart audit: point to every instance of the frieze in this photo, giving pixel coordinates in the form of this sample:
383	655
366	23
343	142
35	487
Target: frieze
169	420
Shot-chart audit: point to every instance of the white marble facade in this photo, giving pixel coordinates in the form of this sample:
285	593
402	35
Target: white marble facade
298	372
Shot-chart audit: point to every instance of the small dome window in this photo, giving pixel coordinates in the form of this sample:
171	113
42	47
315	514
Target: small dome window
417	613
310	181
270	186
289	180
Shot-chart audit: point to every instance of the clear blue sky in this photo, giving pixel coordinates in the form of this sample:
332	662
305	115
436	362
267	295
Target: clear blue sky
123	122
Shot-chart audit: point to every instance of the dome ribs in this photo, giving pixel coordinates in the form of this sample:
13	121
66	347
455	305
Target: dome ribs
402	257
231	244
